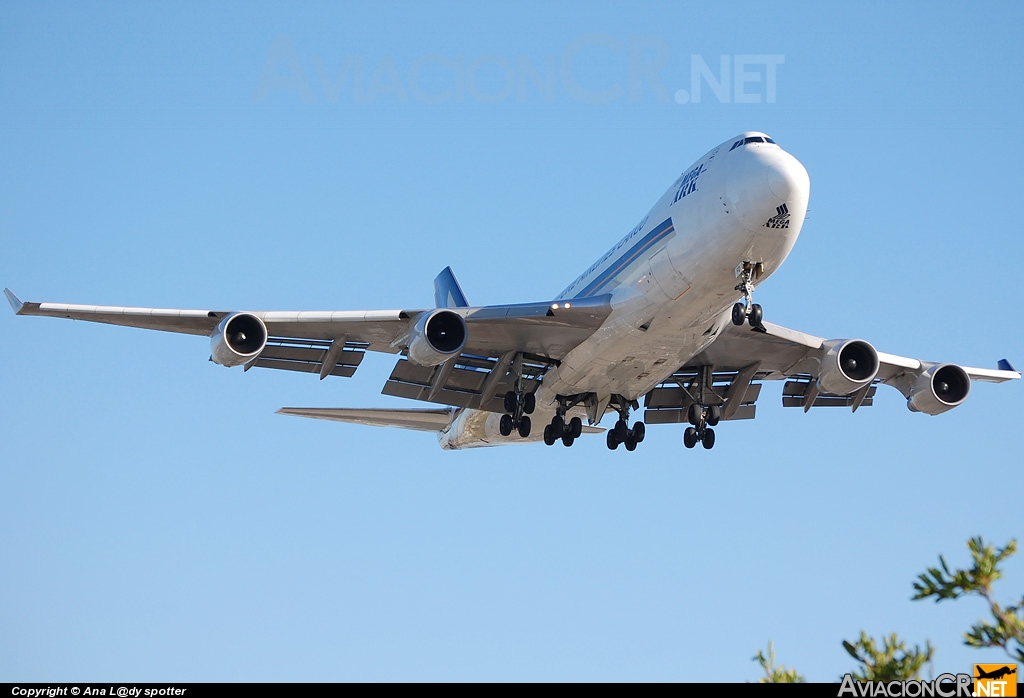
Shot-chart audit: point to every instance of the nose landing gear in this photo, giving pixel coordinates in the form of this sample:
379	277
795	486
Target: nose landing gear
747	310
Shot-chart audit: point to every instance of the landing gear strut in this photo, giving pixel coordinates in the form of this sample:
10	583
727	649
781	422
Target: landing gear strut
559	429
518	406
747	310
701	415
701	420
621	433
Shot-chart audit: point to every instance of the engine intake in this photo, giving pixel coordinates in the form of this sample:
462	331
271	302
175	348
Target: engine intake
436	337
238	339
848	366
938	389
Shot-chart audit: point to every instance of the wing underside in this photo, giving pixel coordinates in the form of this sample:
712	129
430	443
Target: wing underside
729	374
532	337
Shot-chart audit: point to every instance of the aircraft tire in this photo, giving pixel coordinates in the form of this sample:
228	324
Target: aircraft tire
529	403
693	414
510	402
630	443
714	415
621	430
549	438
576	427
639	432
690	437
557	426
505	425
739	314
708	440
567	439
612	442
756	314
524	426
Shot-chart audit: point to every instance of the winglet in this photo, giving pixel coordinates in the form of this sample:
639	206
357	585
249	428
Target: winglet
15	302
1004	365
447	292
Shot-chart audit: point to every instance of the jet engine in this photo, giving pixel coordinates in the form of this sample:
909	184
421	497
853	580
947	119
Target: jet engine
436	337
942	387
847	366
238	339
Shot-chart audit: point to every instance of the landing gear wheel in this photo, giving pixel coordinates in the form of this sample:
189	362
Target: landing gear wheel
693	414
557	426
524	426
708	440
630	443
690	437
575	427
549	438
621	430
505	425
755	315
612	442
639	432
529	403
739	314
567	439
511	402
714	415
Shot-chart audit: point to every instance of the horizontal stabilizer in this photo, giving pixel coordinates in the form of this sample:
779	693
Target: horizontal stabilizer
427	419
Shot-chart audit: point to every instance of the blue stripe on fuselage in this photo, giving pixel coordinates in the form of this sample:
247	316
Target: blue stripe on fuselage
652	238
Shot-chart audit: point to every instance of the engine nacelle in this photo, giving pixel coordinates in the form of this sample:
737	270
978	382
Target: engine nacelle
848	366
940	388
436	337
238	339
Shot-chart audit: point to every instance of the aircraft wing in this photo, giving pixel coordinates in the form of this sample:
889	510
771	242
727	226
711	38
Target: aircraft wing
333	342
730	371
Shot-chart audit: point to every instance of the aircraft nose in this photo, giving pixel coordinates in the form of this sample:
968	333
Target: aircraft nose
771	186
787	178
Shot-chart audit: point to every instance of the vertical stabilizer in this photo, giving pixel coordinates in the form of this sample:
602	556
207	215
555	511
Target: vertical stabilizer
447	292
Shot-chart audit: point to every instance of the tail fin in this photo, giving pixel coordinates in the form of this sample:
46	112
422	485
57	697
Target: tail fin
447	292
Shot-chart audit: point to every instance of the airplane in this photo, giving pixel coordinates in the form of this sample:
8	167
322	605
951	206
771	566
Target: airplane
665	316
995	673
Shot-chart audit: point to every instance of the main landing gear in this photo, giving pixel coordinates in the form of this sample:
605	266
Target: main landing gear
559	429
747	310
518	407
701	420
621	433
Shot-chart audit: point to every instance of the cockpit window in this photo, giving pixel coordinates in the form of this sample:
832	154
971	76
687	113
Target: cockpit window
751	139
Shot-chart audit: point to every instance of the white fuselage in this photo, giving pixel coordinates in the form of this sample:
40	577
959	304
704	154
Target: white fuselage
672	279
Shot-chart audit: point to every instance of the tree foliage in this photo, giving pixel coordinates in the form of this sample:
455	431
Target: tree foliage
893	661
1007	629
772	673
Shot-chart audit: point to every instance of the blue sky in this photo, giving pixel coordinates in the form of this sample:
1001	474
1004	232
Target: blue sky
160	522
